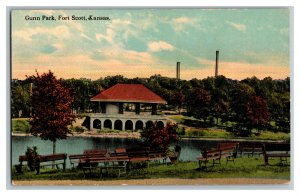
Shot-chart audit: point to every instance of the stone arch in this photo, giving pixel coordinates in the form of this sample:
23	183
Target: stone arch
128	125
97	124
118	125
149	124
107	124
160	124
139	125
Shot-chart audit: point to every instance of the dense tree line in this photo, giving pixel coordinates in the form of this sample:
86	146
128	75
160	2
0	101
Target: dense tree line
247	104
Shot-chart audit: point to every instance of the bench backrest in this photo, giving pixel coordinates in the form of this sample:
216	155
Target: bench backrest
45	158
120	150
95	151
230	145
250	146
211	153
53	157
277	147
22	158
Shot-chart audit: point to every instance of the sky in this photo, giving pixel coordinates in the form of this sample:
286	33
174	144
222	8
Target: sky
144	42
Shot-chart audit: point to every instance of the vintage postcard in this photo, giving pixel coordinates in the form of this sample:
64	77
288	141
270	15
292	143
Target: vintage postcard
150	96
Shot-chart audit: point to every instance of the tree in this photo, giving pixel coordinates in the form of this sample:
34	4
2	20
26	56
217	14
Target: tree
256	112
20	99
178	100
198	103
160	138
239	98
51	104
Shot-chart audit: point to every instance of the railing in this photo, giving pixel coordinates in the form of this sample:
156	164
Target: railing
129	115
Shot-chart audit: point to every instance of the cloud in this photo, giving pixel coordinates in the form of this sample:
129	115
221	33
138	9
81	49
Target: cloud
77	66
180	24
237	26
116	27
109	36
182	20
60	32
159	46
126	55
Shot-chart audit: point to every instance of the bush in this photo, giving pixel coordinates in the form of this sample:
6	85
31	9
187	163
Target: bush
78	129
32	157
160	138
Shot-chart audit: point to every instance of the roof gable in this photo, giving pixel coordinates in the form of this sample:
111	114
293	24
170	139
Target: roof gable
128	93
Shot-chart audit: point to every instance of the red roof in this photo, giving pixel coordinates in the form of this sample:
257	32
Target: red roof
128	93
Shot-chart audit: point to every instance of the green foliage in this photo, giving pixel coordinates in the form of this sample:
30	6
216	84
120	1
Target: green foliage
20	125
226	103
32	157
78	129
198	103
20	98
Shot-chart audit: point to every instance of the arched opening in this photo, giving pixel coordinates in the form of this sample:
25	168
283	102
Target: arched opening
139	125
149	124
97	124
107	124
118	125
128	125
160	124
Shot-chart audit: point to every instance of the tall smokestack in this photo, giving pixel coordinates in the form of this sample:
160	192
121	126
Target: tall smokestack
217	63
178	70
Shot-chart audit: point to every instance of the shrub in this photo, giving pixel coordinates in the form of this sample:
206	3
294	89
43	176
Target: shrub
160	138
79	129
32	157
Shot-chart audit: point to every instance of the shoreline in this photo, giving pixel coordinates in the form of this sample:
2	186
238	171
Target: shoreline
136	135
156	182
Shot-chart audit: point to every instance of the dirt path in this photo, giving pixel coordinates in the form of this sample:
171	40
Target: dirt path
162	181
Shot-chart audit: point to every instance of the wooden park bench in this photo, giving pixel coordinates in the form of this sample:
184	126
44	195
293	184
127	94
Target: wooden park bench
228	151
158	155
81	159
276	150
46	160
213	155
250	149
137	156
101	160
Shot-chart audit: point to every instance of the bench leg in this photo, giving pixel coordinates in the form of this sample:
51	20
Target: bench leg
283	160
230	158
64	165
266	158
200	163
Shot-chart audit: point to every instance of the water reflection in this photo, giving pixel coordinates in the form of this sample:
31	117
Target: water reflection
190	149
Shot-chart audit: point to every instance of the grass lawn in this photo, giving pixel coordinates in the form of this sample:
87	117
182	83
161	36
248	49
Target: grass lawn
20	125
215	132
242	168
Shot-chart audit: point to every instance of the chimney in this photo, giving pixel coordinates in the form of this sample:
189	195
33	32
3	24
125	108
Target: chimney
178	70
217	63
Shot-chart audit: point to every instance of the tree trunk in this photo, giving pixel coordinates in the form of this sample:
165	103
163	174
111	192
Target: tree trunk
53	152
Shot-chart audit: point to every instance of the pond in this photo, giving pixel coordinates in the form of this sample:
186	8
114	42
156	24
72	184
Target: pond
190	149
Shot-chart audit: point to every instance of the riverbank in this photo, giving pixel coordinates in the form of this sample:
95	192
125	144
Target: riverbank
130	135
156	182
21	126
136	135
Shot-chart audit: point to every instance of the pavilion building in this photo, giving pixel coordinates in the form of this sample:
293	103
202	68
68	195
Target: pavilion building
126	107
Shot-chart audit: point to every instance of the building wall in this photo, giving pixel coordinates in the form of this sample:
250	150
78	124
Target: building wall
112	108
124	118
